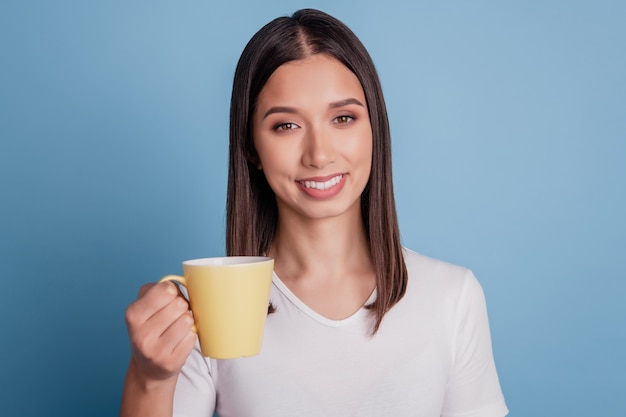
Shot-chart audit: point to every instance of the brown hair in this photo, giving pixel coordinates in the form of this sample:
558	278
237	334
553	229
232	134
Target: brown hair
252	213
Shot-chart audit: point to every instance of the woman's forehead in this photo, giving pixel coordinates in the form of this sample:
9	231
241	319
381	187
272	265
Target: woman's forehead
317	78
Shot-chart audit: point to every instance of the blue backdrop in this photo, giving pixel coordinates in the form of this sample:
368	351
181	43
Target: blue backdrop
509	139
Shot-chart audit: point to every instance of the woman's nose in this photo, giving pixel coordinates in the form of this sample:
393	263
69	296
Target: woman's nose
319	149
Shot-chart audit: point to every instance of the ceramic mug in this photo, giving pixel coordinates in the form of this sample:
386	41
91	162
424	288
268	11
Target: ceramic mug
229	298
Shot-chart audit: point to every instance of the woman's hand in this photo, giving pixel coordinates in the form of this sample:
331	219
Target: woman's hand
159	327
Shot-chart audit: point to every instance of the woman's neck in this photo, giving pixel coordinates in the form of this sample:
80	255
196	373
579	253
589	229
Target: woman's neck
331	248
326	263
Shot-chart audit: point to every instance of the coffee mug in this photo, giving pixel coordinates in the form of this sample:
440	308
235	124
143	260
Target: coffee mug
229	299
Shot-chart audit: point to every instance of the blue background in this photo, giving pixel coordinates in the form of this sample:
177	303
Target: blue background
509	138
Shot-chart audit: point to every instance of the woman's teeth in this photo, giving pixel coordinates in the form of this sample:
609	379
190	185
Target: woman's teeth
322	185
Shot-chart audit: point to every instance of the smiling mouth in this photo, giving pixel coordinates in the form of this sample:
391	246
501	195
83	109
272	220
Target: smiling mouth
325	185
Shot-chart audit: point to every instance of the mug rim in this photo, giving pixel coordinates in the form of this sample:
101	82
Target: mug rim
227	261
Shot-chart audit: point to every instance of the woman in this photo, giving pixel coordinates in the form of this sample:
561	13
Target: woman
358	325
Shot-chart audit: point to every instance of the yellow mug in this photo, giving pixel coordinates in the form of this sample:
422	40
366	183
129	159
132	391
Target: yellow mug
229	297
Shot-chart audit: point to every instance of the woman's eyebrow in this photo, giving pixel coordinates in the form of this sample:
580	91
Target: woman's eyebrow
279	109
346	102
292	110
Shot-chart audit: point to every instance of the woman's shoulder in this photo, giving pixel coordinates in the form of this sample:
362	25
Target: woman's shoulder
421	263
439	289
424	271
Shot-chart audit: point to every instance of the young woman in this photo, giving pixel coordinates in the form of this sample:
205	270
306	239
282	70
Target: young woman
358	325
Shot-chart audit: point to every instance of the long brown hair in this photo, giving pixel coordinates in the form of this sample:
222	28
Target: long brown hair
252	213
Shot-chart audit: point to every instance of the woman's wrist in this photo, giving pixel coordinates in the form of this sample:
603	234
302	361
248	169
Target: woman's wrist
146	396
144	384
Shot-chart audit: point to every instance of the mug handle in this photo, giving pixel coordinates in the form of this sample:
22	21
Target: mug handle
179	280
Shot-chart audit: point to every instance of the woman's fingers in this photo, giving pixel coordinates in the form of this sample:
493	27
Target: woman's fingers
152	298
159	323
174	337
159	326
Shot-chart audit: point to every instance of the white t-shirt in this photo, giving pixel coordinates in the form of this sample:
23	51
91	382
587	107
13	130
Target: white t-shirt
431	357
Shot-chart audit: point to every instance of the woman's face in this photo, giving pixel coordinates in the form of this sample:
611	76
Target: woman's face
313	136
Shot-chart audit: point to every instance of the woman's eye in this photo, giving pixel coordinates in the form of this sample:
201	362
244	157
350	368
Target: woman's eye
284	127
343	119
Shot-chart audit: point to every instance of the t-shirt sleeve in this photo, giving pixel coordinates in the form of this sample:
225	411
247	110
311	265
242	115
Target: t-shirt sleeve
473	389
195	390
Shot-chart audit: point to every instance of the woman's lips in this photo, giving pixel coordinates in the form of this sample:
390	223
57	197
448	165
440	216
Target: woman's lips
322	187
